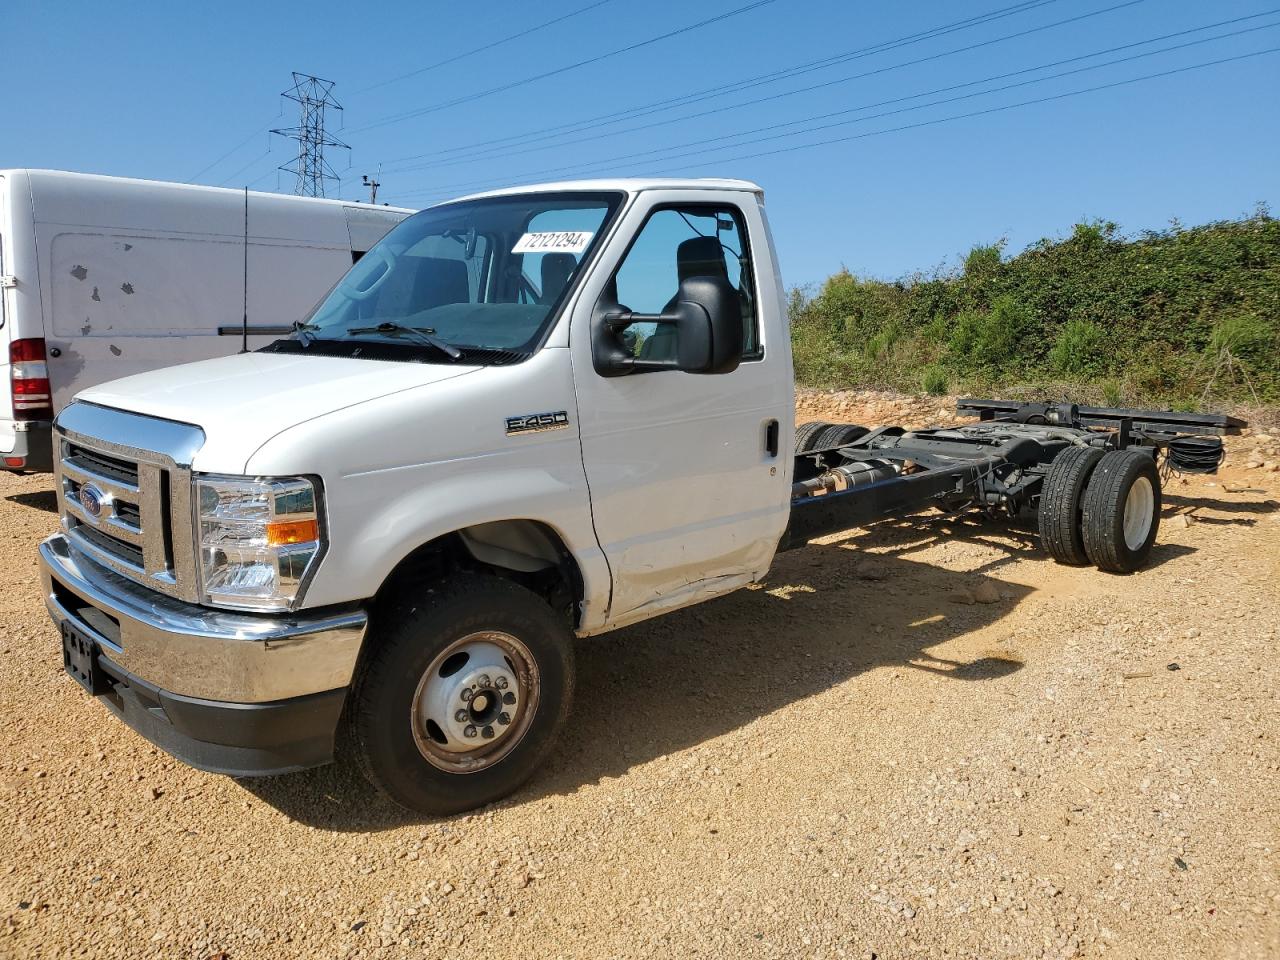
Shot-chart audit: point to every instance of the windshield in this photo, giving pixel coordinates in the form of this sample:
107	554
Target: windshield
472	277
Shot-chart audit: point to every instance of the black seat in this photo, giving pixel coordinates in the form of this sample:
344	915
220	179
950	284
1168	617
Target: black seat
695	257
557	268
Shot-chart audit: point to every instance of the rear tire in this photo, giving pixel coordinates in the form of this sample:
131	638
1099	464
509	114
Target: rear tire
475	645
1060	504
807	432
838	435
1120	515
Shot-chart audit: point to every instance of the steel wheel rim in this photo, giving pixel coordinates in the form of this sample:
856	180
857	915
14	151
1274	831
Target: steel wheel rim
1139	511
474	703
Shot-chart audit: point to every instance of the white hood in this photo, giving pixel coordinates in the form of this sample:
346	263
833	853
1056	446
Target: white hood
243	401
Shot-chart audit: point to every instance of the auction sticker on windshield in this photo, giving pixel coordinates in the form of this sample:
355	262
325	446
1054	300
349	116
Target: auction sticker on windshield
555	241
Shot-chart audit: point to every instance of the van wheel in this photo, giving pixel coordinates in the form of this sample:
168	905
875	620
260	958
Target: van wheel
1059	518
463	694
807	432
1121	511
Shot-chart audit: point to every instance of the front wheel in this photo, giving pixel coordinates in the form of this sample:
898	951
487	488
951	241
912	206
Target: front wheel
463	694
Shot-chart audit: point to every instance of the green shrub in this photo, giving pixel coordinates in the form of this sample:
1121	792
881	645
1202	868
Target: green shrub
983	261
1243	335
934	381
964	333
1080	349
1150	316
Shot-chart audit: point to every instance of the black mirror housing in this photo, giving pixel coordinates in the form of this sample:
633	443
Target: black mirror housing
708	326
707	315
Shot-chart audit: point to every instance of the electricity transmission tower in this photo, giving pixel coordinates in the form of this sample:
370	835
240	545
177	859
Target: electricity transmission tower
312	95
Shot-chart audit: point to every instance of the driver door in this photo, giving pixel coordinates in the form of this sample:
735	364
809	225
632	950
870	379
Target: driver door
687	499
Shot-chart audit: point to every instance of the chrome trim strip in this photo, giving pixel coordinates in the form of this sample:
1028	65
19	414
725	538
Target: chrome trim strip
81	474
199	652
110	560
131	434
109	525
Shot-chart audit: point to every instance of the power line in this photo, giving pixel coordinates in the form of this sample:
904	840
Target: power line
480	94
203	170
481	49
928	93
1008	106
255	160
607	119
787	93
963	116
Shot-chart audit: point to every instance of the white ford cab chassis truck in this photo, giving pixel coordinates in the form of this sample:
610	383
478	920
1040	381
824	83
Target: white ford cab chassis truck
522	416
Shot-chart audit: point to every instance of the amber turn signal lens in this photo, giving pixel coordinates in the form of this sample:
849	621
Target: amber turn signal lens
285	532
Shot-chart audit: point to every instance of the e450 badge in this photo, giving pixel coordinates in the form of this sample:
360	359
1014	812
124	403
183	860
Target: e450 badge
537	422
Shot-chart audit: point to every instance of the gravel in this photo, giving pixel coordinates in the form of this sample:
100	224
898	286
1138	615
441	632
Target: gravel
842	762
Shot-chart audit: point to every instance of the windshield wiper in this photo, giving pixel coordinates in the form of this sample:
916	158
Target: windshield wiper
421	334
303	330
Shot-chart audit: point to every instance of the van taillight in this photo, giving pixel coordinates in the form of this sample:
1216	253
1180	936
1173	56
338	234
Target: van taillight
29	380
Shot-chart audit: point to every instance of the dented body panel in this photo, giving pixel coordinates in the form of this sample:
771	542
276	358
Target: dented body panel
122	276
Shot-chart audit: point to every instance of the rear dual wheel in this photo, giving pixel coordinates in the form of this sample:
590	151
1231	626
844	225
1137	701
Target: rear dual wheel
1100	508
1060	504
820	435
1120	513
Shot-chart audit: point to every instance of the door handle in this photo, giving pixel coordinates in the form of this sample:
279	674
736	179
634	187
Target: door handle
771	438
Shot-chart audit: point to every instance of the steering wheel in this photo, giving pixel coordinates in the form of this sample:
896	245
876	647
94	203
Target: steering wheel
387	259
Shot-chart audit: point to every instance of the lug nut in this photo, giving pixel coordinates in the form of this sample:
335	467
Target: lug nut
508	697
488	733
467	694
502	683
461	716
504	718
469	732
483	681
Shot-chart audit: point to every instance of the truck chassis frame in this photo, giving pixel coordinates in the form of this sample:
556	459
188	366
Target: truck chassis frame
997	465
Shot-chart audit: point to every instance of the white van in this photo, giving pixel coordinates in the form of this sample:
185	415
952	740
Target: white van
102	277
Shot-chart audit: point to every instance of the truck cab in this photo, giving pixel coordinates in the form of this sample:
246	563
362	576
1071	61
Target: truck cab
523	415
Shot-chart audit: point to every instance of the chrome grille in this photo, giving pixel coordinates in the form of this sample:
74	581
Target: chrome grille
124	492
101	465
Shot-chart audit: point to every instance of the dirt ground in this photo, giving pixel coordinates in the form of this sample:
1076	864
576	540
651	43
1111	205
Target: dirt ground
853	760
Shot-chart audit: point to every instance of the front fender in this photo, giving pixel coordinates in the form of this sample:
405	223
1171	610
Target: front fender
406	469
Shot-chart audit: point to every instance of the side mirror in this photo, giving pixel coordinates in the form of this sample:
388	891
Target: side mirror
707	322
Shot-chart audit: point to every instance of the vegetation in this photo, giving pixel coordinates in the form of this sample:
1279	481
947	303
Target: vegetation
1182	317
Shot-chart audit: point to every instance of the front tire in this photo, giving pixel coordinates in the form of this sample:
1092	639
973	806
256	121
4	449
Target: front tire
463	694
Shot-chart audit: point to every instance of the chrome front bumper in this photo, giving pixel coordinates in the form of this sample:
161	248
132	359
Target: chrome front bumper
194	651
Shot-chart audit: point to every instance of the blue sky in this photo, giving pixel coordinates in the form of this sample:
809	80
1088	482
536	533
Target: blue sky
159	90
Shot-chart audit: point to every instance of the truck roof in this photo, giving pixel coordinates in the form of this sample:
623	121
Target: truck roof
54	178
626	184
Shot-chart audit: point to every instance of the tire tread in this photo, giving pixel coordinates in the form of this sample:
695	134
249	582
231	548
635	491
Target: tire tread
404	616
1102	520
1060	504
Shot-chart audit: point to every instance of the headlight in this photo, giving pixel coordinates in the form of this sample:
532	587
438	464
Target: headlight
259	539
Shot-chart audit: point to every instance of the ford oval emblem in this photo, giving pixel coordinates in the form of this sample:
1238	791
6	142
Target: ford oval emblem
91	499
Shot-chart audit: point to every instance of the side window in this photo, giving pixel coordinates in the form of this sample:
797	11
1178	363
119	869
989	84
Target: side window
680	242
